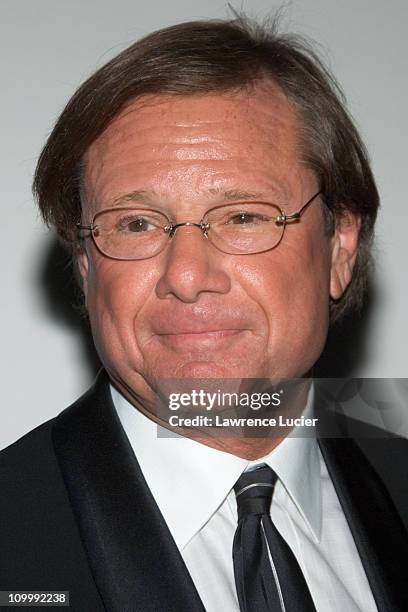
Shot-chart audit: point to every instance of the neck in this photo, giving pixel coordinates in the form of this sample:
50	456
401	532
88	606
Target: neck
246	442
245	448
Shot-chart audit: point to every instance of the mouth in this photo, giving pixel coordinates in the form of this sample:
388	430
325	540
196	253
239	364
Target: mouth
218	338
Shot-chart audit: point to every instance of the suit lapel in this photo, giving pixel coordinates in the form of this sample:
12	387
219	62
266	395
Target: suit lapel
377	529
134	560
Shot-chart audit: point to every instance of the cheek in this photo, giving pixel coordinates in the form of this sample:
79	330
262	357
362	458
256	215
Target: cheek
290	275
118	285
306	292
291	288
117	292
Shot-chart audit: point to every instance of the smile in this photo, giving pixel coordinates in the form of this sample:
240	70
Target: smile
205	339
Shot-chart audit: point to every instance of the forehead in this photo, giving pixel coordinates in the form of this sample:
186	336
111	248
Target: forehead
169	141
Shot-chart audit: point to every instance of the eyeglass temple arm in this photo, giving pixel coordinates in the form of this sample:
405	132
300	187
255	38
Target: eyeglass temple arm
296	215
79	226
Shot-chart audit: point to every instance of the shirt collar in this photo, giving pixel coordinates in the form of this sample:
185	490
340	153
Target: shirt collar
190	480
296	461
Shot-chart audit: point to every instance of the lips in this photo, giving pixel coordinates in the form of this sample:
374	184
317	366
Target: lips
200	321
200	340
200	327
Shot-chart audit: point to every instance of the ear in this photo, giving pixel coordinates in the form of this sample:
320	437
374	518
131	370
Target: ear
82	265
344	252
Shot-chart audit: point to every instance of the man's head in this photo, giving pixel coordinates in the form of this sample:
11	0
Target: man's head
188	118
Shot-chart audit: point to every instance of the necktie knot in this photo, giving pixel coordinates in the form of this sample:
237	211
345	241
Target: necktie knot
253	491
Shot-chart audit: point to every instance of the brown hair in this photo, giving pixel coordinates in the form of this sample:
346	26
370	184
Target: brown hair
218	56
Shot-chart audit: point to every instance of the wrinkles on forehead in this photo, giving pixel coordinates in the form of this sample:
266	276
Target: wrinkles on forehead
167	144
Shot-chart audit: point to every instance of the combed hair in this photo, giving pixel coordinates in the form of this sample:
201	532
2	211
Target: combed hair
202	57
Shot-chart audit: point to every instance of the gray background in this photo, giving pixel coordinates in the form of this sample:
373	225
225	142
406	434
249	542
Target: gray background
47	48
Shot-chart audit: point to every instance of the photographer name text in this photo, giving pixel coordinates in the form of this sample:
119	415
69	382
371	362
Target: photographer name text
219	421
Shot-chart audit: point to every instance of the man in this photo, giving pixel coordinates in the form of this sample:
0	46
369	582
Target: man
220	207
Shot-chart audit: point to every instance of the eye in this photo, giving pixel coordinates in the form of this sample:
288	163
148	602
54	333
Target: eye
135	224
244	218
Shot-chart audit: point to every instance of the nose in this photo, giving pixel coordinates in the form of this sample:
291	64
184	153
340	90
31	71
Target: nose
191	266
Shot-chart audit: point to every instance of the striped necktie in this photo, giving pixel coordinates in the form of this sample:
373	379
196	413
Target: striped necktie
267	576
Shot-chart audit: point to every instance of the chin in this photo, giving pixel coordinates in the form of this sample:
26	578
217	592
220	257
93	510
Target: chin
205	369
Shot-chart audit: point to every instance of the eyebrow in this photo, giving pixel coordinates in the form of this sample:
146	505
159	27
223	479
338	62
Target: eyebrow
234	194
139	195
143	196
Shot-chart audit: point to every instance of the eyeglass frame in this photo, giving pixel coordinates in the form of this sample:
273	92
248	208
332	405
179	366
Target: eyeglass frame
281	219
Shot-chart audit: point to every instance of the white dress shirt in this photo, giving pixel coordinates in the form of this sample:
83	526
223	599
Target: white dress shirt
193	487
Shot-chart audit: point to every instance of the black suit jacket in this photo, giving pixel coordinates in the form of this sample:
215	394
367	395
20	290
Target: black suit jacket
77	515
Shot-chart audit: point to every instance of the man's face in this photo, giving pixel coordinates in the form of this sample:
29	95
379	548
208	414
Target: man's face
193	311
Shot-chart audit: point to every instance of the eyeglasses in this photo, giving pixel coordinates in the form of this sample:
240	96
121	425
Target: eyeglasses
244	228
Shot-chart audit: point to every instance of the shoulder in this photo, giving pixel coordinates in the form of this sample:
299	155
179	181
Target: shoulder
33	495
27	461
34	509
39	538
30	474
389	459
366	453
32	457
